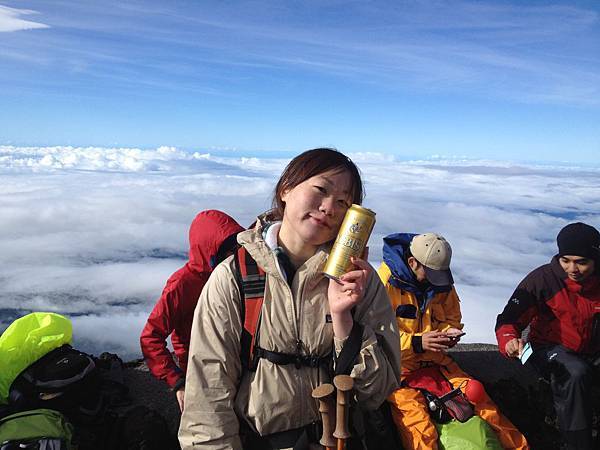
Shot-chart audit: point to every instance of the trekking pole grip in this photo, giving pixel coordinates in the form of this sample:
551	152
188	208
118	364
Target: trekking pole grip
344	384
323	394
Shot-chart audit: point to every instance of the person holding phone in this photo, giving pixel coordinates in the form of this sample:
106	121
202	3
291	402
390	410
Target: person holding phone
560	302
416	274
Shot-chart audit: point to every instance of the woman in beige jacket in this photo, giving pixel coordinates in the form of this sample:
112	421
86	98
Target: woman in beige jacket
303	313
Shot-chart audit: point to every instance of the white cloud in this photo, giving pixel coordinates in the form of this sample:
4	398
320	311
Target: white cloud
112	332
95	232
10	20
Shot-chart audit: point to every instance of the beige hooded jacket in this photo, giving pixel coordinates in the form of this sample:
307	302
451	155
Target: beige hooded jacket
277	397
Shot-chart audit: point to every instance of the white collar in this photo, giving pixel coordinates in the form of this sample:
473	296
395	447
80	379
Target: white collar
270	235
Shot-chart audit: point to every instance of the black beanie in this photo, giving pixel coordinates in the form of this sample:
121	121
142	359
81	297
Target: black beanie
579	239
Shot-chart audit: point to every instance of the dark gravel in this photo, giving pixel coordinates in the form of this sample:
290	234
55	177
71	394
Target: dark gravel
515	388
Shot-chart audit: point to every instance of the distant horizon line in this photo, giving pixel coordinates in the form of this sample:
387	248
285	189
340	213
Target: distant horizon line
288	153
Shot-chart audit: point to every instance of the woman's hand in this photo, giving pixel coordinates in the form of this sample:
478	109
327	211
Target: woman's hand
343	296
346	294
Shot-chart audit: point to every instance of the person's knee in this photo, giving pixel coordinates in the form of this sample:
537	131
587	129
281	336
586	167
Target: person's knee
580	373
421	435
573	371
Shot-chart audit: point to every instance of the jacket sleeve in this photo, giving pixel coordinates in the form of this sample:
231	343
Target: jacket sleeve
153	339
517	314
214	367
377	370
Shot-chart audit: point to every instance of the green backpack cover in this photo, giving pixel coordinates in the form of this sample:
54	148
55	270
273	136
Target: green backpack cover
29	426
28	339
474	434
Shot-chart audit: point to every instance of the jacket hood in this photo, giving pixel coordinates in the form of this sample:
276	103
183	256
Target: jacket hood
395	247
208	231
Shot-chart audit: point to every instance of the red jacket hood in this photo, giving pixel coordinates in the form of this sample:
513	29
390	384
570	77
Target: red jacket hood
208	231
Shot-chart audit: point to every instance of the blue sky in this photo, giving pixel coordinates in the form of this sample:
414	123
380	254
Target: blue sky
500	80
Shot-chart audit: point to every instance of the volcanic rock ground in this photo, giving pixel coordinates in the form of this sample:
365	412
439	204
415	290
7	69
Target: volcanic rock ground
515	388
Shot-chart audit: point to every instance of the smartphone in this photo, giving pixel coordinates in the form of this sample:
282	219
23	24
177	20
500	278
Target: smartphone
527	351
454	337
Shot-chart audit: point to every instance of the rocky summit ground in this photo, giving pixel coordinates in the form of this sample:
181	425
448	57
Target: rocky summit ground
515	388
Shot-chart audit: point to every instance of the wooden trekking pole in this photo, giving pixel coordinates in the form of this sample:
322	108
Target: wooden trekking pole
344	384
323	393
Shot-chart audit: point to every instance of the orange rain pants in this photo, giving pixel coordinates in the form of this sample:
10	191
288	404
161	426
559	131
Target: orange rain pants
417	430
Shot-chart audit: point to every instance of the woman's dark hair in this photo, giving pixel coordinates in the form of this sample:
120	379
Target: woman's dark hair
311	163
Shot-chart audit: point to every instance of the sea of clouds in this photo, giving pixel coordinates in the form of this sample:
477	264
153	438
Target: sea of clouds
93	233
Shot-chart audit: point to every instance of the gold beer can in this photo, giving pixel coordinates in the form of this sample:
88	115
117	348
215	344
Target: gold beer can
351	241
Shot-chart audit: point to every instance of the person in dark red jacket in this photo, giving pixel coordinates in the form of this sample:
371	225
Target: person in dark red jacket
560	301
212	238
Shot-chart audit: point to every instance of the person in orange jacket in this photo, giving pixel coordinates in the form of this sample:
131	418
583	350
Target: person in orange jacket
212	238
417	277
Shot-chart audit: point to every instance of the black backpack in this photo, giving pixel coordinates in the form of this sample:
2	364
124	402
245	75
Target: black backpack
92	394
64	379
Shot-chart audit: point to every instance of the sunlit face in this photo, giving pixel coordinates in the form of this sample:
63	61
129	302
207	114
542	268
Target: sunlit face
577	268
315	208
418	269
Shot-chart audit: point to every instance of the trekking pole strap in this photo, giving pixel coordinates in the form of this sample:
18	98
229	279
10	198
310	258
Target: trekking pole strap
347	357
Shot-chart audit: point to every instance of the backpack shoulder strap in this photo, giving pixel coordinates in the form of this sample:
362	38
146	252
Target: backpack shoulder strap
251	282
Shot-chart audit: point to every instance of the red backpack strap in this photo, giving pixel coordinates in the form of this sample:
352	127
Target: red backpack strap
251	281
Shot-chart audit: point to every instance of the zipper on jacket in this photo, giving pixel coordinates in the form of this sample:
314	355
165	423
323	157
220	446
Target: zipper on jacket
419	311
294	315
586	317
298	345
302	347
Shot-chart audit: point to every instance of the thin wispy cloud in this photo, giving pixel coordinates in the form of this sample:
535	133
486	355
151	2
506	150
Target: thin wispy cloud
95	232
10	20
517	52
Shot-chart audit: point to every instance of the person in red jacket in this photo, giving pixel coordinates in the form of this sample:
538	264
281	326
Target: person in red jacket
560	302
212	238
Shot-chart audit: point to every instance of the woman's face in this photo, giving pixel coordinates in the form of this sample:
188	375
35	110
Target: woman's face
315	208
